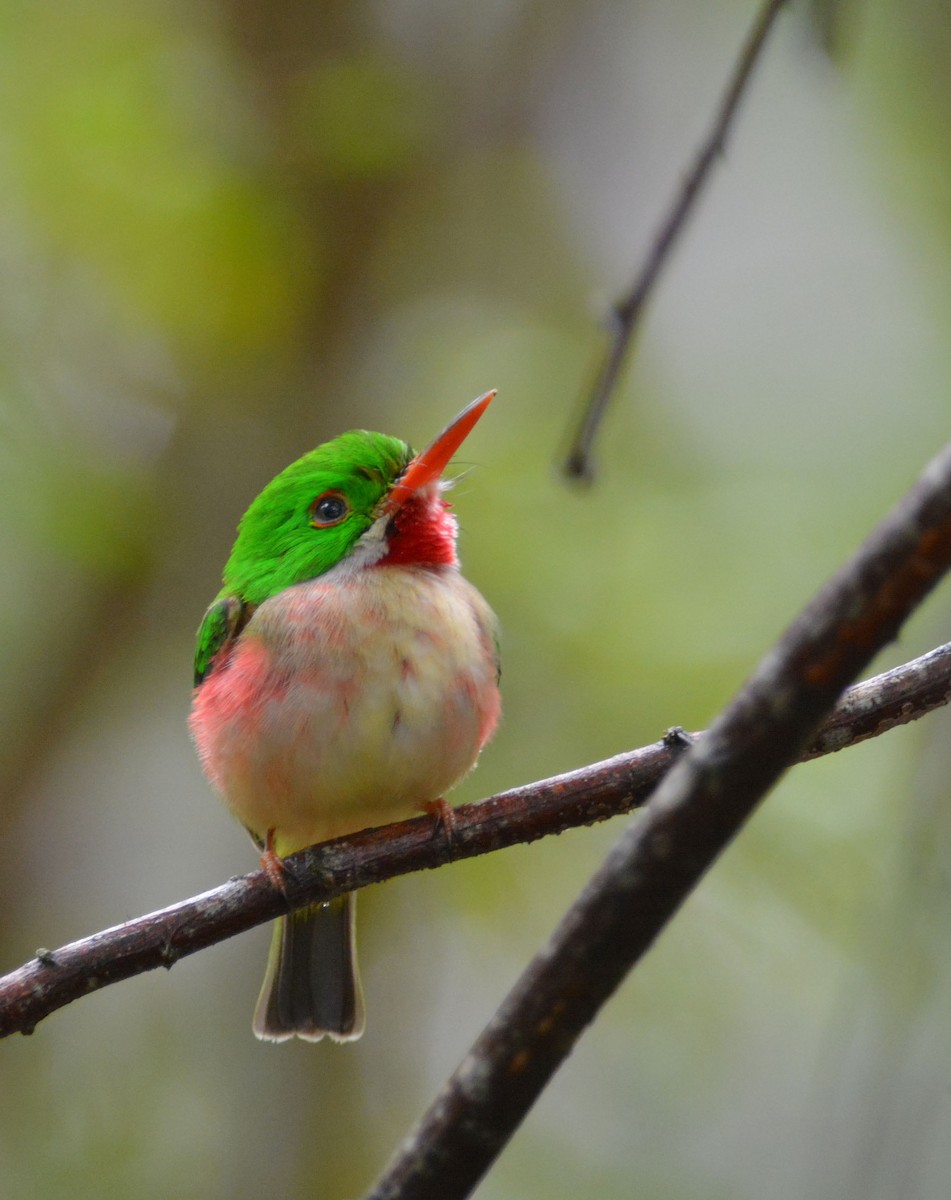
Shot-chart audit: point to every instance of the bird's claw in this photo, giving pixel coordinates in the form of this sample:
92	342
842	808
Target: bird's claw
273	865
444	817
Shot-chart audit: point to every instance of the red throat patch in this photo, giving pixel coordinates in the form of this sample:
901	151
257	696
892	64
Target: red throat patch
422	533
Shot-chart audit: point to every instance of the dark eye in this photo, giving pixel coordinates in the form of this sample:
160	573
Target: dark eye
330	508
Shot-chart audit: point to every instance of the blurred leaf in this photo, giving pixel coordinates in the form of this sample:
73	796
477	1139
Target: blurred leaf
361	118
116	144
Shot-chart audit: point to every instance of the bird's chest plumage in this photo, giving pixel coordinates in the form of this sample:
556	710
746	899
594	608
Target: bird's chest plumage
348	703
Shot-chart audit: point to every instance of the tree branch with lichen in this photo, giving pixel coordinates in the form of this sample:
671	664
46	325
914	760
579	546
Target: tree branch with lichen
594	793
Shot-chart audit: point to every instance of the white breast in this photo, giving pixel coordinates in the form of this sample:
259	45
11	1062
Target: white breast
351	702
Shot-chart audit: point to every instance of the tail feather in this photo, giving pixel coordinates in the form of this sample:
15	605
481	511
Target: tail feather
312	985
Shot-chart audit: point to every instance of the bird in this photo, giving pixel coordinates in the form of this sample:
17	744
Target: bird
346	676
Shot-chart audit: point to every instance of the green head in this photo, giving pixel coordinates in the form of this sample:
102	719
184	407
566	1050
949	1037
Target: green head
311	516
363	496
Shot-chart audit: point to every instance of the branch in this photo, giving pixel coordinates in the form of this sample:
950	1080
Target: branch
693	815
583	797
627	312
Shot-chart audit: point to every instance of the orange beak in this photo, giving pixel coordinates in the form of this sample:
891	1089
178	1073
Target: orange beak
429	465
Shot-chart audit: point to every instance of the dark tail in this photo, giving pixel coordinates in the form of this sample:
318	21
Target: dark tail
312	985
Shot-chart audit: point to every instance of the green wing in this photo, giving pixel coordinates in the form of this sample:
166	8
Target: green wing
221	624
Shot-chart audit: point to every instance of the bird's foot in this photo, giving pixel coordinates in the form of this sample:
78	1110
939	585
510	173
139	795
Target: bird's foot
273	865
444	818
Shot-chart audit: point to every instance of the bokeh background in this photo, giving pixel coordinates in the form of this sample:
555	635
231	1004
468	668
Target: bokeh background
231	230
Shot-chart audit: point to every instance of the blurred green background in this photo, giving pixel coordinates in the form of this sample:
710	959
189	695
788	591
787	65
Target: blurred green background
231	230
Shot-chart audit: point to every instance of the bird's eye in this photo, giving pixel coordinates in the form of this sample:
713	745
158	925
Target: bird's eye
330	508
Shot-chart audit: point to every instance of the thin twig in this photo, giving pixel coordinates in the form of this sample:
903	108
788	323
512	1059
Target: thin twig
691	818
523	814
626	313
